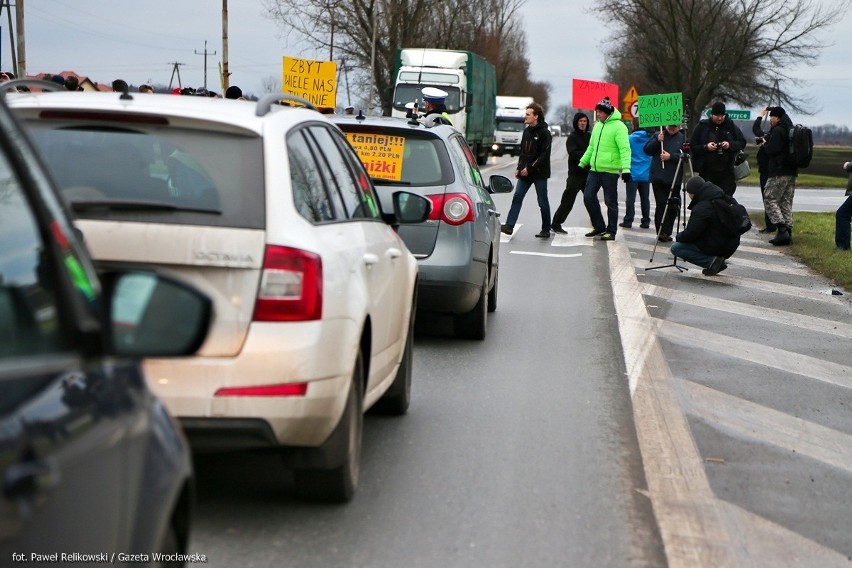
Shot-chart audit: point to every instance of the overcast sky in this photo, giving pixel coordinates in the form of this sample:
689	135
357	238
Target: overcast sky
140	42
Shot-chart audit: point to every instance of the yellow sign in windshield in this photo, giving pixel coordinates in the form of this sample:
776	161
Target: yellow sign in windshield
381	154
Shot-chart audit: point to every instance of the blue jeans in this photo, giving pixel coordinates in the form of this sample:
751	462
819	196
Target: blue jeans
521	189
691	253
644	189
609	183
842	218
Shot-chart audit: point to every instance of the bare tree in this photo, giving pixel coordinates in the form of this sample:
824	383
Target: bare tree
743	51
356	29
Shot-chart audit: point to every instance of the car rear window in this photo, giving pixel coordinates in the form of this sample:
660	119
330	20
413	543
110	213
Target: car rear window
163	175
401	156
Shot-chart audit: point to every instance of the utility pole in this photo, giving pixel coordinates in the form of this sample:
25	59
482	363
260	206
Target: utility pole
21	66
205	54
175	71
225	72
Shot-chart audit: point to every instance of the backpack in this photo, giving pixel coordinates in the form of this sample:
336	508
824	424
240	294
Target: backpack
732	215
801	146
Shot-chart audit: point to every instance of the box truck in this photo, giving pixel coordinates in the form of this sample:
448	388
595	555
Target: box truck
509	124
469	81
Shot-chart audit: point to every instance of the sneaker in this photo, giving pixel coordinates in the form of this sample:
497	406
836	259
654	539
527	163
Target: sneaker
724	266
715	268
595	232
767	230
543	235
558	229
663	238
644	226
625	224
507	230
607	236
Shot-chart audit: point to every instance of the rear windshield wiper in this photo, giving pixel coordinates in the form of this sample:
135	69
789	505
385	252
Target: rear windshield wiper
126	205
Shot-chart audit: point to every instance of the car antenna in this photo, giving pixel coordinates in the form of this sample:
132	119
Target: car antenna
360	115
126	96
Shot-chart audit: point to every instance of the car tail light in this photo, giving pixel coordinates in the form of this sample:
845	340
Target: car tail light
290	286
289	389
452	208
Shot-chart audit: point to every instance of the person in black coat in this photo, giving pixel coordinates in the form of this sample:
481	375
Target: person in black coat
762	163
576	144
665	151
533	170
715	143
705	241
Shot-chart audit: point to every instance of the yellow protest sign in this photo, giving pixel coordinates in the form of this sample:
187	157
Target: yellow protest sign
381	154
313	80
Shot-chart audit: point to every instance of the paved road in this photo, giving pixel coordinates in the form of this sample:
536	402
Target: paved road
742	393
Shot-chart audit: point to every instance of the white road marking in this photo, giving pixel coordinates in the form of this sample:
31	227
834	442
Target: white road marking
795	363
690	518
550	254
754	421
793	319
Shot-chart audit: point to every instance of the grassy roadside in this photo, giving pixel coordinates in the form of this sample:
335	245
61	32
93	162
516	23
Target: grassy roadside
813	245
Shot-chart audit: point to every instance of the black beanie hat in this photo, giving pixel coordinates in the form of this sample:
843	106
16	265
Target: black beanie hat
605	105
777	111
718	108
233	92
694	184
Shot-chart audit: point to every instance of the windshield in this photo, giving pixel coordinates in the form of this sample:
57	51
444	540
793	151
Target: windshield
409	92
168	175
510	125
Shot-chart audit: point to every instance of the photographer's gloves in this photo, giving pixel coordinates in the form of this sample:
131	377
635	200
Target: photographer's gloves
625	177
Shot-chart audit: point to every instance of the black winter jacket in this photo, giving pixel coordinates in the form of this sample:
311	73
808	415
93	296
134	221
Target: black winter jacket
672	143
707	132
779	161
704	229
576	144
535	151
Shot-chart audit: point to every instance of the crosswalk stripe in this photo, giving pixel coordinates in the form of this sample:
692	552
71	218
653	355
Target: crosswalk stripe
768	425
753	283
795	363
797	320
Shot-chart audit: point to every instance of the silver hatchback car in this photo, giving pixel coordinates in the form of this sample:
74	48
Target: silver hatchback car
458	246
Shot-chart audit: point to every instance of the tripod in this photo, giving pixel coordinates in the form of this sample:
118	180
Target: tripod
685	156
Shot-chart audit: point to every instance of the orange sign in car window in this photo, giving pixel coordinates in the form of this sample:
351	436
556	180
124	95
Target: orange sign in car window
381	154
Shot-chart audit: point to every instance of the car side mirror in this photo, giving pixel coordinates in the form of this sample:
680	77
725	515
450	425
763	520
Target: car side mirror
500	184
151	315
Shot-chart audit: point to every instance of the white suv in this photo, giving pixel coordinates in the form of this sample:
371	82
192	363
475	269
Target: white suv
269	211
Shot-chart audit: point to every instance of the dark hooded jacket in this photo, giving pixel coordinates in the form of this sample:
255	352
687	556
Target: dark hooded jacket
672	143
704	229
535	151
707	132
779	160
576	144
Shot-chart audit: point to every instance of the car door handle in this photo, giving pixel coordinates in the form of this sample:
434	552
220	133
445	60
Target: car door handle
494	212
25	479
370	259
393	253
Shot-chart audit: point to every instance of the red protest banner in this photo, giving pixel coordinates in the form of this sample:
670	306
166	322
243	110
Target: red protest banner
586	94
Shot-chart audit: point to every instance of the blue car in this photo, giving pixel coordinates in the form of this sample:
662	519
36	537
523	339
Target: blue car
91	462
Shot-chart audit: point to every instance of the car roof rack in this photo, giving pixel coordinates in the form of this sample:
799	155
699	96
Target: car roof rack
265	103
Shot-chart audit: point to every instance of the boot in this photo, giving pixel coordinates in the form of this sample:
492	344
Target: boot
783	237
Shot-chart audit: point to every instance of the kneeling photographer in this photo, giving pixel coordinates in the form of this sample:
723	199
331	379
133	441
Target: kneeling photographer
705	241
